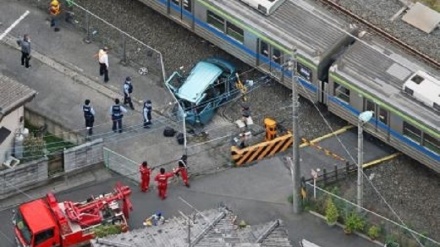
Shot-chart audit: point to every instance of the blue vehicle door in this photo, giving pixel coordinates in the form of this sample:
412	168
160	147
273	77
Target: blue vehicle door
206	113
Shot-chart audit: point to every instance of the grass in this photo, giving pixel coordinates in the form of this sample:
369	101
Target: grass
37	147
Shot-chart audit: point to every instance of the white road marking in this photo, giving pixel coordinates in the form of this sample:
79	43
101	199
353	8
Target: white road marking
14	24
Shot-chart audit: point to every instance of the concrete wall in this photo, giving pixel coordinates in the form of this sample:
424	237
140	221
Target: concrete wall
23	177
11	122
84	155
53	127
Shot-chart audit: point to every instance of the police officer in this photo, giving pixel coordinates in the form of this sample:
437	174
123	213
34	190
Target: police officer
89	116
116	112
25	45
128	90
148	107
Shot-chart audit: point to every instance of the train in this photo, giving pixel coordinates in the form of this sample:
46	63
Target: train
334	63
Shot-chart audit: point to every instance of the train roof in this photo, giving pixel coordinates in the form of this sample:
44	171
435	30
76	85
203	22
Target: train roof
293	24
383	72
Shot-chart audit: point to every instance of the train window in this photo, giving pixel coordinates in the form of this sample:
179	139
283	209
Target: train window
342	93
276	56
264	48
412	132
431	143
369	106
176	2
235	32
383	116
303	71
187	5
216	21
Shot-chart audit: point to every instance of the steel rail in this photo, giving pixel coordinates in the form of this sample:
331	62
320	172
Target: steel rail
426	58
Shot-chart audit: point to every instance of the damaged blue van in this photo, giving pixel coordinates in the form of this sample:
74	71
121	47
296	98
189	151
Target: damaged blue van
210	84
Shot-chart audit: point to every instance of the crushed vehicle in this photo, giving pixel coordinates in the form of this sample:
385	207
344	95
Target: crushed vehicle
210	84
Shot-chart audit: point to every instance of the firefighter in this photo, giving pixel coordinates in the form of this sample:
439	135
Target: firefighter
182	169
162	182
145	172
54	10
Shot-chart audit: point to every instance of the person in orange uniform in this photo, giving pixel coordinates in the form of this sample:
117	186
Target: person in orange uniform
182	169
162	182
55	10
145	172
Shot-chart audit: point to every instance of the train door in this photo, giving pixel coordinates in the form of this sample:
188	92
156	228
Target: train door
182	11
270	58
381	117
263	55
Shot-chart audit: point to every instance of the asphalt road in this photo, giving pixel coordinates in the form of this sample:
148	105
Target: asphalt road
256	194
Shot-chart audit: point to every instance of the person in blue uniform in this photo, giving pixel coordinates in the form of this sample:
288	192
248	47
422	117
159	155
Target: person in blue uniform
117	113
89	116
128	90
148	107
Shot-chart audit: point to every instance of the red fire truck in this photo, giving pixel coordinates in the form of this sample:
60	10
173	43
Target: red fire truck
45	222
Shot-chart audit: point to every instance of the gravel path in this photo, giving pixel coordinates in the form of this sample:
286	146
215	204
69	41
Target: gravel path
408	186
379	13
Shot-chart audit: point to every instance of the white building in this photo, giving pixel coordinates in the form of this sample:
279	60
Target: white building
13	97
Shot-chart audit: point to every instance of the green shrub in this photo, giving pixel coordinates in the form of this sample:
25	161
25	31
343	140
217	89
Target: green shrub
105	230
331	212
354	223
373	232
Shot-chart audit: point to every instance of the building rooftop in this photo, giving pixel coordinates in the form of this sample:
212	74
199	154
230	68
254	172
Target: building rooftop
13	95
211	228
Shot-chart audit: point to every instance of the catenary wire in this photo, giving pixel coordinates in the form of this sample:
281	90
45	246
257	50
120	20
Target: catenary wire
355	162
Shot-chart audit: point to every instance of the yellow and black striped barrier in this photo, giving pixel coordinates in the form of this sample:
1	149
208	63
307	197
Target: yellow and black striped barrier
242	156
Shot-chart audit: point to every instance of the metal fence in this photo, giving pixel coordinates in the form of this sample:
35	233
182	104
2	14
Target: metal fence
390	231
129	49
121	164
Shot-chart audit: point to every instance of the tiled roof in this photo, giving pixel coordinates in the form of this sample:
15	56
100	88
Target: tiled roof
13	94
211	228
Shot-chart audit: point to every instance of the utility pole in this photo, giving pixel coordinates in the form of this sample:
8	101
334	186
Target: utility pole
363	118
360	180
296	177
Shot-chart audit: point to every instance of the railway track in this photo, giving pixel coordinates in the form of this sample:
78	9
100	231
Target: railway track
427	59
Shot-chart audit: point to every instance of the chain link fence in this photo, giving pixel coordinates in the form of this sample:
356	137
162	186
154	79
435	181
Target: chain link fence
129	49
373	225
